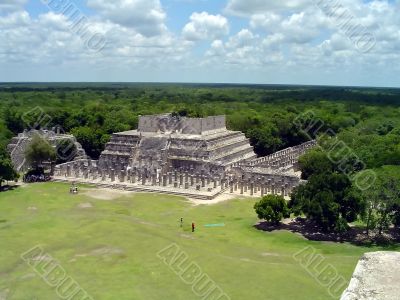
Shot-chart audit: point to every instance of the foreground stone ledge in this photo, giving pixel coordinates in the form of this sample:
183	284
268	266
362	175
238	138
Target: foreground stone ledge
376	277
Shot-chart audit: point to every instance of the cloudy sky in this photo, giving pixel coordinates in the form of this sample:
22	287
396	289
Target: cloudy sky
325	42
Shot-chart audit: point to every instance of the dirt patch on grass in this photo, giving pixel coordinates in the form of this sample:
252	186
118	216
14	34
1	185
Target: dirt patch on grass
107	251
42	258
267	254
219	199
27	277
85	205
4	294
104	251
104	194
187	236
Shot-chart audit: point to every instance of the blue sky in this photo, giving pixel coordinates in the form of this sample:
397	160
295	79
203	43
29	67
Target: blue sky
341	42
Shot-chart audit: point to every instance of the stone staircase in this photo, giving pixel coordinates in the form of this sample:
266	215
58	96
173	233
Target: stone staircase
144	189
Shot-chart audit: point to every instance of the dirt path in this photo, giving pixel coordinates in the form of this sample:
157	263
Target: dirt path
105	194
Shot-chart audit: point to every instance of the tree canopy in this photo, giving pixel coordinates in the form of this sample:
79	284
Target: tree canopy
39	151
272	208
327	199
7	171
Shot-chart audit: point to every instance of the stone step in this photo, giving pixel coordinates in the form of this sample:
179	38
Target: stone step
140	189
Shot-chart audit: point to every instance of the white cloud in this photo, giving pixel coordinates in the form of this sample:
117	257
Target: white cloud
252	7
217	49
298	27
11	5
242	49
145	16
242	39
294	38
300	36
48	40
203	26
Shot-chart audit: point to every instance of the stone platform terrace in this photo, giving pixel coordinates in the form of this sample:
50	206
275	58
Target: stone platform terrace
125	186
197	186
377	277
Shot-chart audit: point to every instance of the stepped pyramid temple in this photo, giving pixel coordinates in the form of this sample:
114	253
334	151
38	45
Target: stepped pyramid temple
193	157
167	143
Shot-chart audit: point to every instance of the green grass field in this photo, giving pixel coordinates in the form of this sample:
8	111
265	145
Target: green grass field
111	248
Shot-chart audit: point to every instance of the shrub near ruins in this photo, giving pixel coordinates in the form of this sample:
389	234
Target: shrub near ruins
272	208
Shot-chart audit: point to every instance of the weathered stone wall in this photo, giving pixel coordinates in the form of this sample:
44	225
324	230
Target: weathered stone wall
191	126
376	277
159	123
19	144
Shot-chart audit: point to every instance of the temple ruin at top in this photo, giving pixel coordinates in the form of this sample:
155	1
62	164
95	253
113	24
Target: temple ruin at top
195	157
168	142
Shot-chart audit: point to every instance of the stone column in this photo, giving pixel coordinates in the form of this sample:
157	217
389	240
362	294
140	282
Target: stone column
165	178
112	175
76	171
169	178
251	189
143	179
94	173
85	172
122	176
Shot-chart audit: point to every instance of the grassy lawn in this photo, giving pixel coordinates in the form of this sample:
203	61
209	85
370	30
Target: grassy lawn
111	248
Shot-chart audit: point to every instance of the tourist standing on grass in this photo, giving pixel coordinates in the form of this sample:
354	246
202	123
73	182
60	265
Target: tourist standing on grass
181	222
193	227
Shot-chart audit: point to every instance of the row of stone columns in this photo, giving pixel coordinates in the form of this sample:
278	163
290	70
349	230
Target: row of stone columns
284	157
254	185
254	188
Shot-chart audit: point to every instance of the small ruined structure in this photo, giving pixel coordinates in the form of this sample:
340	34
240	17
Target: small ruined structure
377	276
19	144
194	157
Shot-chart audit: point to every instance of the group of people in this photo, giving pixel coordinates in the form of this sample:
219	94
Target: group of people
73	189
36	178
193	225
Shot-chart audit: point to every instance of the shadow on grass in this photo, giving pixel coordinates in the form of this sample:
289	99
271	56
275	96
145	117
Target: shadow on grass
356	235
6	188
